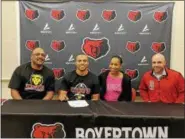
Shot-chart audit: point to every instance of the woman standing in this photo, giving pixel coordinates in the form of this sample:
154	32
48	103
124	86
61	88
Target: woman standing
115	84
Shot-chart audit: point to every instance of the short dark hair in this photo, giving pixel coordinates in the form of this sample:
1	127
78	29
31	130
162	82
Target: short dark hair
118	57
37	48
81	55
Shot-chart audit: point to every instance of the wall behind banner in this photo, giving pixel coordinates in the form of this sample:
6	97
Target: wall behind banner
11	37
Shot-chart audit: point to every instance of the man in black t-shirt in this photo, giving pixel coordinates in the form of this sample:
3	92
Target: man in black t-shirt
33	80
80	83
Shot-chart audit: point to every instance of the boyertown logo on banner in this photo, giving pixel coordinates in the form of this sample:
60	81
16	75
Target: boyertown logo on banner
57	130
40	130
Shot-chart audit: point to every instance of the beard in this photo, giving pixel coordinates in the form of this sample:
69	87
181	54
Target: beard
38	63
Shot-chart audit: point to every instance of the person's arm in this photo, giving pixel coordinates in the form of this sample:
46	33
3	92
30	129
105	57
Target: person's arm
96	90
129	90
62	92
62	95
180	88
102	87
49	95
50	87
95	96
15	94
143	90
15	83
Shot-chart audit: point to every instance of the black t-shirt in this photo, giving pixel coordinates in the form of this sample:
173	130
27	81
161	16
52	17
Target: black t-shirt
31	83
80	87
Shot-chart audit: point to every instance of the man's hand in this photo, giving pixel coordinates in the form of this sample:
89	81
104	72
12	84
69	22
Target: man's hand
49	95
95	97
15	94
63	96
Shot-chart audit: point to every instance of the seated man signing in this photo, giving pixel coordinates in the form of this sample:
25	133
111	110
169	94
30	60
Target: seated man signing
80	83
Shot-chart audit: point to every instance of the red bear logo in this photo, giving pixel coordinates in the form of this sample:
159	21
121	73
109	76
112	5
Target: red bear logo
133	47
57	45
134	15
134	74
109	15
96	48
32	44
57	14
48	131
160	16
58	72
83	15
158	47
32	14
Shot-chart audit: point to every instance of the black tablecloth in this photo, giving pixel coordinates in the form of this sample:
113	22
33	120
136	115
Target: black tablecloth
37	118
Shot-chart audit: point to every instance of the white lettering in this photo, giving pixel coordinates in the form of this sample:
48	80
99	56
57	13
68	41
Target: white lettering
90	131
151	133
126	130
107	133
137	129
79	133
116	132
163	133
98	132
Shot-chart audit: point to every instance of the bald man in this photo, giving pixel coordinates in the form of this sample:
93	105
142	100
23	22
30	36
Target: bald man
80	83
162	84
33	80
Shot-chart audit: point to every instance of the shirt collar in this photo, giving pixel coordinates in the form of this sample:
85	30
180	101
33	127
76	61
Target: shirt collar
162	74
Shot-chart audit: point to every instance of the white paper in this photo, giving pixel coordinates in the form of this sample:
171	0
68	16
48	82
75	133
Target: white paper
78	103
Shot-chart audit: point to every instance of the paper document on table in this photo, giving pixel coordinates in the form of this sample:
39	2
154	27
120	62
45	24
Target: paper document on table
78	103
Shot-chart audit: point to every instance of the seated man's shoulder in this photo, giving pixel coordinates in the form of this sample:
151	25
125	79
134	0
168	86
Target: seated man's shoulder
70	74
92	76
48	70
173	72
23	66
147	73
